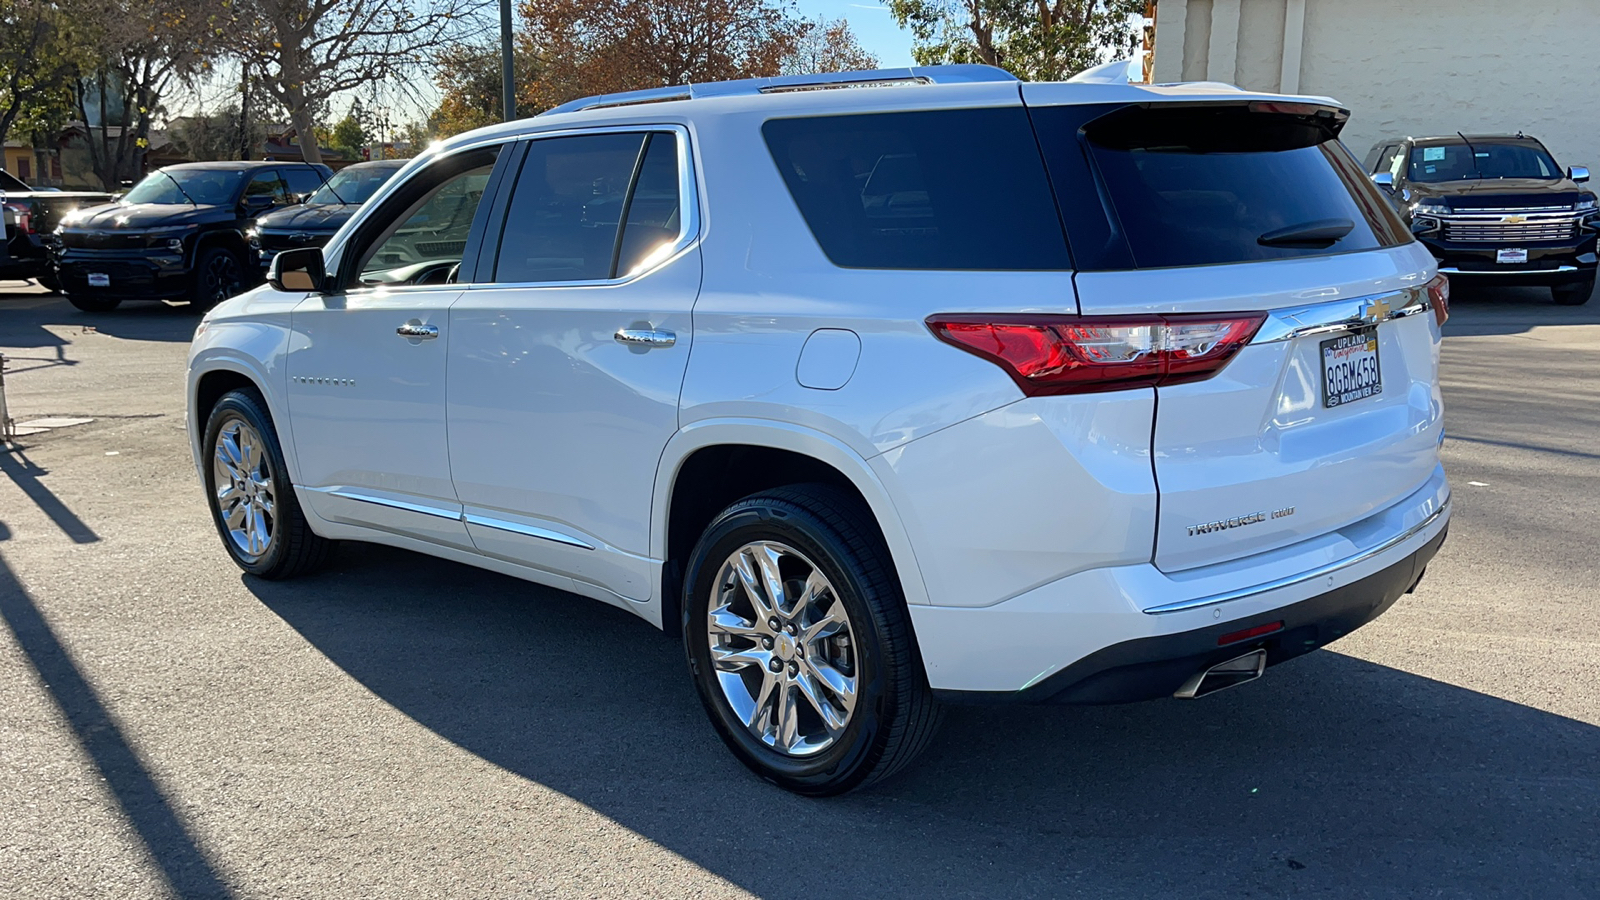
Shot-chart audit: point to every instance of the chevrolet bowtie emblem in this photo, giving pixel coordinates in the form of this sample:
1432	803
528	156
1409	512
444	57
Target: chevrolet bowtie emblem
1377	311
1513	220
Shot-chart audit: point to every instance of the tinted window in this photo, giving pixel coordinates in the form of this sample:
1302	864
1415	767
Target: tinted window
354	185
1454	162
267	184
952	189
569	197
205	186
303	180
435	211
1195	186
654	216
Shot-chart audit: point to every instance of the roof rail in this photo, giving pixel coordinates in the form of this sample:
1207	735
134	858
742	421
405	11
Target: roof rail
953	74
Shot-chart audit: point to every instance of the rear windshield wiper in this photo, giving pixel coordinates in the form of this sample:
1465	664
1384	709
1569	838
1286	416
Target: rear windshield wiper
1321	233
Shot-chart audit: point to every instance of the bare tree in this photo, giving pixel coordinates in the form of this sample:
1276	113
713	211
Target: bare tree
306	52
137	51
828	45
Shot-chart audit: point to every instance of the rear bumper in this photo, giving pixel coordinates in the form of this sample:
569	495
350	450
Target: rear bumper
1154	667
1126	633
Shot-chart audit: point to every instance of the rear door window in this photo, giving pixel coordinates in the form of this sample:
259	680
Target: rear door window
569	200
947	189
1202	185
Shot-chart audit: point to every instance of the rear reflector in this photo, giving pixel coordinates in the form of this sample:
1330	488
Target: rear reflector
1245	635
1054	354
1439	297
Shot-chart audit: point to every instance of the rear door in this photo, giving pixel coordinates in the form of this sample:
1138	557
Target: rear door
565	366
1333	411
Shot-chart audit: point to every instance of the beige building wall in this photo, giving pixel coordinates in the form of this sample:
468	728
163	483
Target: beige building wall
1404	67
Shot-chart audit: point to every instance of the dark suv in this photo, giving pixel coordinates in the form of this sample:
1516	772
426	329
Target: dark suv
1495	208
179	234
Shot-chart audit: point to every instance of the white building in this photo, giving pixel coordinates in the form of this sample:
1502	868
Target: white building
1404	67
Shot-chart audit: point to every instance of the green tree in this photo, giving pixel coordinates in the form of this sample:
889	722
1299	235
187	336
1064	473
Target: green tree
349	137
468	76
40	55
1037	40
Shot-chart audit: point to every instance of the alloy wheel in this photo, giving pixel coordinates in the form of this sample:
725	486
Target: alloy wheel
222	278
782	648
242	477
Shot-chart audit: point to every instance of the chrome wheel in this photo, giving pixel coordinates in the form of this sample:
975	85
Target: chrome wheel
242	479
782	648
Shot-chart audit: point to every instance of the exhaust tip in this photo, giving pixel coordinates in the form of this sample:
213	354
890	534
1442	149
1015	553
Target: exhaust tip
1235	671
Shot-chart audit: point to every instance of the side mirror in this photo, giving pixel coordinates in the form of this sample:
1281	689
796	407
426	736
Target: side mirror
301	269
1578	174
1384	180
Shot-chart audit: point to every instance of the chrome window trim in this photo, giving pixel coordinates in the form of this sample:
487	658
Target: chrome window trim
1337	316
527	530
1303	577
688	202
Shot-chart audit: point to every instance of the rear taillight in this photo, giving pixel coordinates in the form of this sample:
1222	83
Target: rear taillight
24	217
1052	354
1439	298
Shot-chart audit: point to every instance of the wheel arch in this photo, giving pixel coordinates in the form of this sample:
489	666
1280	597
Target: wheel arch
215	372
710	464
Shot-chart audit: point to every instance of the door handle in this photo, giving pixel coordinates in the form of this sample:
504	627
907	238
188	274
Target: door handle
645	337
417	331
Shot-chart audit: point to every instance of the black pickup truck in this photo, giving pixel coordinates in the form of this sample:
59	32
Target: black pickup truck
1495	208
30	216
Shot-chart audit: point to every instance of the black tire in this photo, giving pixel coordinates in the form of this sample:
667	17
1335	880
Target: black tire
894	714
1572	294
293	548
50	281
218	275
94	303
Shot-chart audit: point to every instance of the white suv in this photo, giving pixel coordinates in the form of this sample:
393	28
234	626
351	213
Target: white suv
884	389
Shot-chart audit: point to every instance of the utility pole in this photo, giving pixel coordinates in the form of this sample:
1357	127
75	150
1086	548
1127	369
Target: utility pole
244	110
508	90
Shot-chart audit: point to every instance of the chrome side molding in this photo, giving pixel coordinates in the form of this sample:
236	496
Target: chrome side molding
532	531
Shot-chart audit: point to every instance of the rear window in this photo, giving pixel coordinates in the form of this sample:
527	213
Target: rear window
951	189
1204	185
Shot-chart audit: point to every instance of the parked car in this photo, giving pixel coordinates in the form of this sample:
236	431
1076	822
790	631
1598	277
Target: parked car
30	216
178	234
1495	208
311	223
789	372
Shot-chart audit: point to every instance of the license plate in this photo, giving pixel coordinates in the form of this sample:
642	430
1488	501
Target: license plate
1511	256
99	279
1350	370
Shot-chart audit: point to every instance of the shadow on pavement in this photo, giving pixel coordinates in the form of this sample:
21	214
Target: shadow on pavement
1330	776
136	793
25	474
25	316
1477	310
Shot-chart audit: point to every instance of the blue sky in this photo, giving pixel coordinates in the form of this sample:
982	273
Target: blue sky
874	27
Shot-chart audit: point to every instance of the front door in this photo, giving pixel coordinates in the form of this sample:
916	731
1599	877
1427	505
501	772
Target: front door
564	373
366	364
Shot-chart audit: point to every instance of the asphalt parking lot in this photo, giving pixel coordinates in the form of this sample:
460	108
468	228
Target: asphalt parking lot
398	726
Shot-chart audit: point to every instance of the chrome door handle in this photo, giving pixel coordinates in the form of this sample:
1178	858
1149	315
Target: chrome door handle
645	337
417	331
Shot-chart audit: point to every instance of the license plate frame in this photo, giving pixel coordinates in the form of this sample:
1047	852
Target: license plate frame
1511	256
99	280
1346	366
